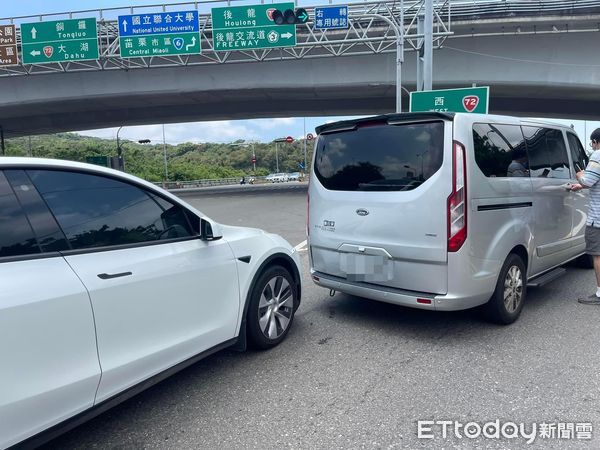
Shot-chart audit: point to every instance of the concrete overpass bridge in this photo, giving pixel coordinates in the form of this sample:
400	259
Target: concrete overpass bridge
540	59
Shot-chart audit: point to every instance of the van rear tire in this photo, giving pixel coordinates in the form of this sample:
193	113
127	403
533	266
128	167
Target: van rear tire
505	305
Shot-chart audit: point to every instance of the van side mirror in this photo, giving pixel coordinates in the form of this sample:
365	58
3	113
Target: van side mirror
209	231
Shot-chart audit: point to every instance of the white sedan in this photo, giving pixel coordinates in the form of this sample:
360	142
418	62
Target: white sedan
277	177
109	284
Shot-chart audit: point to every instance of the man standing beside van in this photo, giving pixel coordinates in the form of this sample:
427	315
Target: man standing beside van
589	178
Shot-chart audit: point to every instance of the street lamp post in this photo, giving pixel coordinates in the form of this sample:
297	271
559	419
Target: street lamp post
277	141
165	153
120	163
2	140
422	155
118	143
304	145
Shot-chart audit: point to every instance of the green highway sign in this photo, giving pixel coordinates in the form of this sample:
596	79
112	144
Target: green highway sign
160	45
251	27
159	34
470	100
59	41
98	160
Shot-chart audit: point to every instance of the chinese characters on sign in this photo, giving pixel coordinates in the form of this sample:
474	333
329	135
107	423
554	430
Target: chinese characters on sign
251	27
331	18
8	46
59	41
159	34
469	100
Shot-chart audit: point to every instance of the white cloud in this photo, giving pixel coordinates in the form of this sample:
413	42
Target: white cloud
262	130
279	123
222	131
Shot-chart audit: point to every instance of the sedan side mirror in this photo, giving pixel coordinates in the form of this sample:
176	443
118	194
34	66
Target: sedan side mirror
209	231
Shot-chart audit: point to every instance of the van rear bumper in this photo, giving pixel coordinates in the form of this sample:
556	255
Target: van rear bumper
447	302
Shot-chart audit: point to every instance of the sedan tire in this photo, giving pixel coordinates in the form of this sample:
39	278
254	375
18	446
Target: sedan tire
272	305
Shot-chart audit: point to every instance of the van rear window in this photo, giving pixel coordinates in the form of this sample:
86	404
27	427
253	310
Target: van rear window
380	157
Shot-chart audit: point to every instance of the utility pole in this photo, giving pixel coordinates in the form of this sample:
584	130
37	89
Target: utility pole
165	153
398	27
428	47
304	144
120	162
420	52
2	140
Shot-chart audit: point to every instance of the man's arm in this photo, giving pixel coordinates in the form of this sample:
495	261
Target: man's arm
591	175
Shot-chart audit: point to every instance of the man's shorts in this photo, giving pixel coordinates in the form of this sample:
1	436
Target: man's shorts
592	240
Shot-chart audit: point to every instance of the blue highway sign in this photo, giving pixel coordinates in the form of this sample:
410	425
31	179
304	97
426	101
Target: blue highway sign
159	34
331	17
159	23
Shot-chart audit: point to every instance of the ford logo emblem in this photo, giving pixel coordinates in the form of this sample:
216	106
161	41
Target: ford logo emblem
362	212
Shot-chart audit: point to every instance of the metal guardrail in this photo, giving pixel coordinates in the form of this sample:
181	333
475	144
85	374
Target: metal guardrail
190	184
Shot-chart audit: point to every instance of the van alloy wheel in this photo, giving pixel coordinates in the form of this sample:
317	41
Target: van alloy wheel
513	289
506	303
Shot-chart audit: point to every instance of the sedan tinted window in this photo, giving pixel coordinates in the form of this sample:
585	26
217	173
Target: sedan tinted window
97	211
48	233
16	235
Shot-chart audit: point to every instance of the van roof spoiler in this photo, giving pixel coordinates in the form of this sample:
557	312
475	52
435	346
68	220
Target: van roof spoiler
391	119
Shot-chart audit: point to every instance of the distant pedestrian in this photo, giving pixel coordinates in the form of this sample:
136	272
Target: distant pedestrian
590	179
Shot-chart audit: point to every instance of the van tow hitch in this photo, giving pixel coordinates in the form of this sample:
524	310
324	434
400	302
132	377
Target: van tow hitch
331	292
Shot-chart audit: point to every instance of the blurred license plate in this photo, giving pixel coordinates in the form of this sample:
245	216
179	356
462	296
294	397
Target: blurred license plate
366	267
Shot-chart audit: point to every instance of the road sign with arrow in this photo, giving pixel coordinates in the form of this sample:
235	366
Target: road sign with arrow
251	27
159	34
59	41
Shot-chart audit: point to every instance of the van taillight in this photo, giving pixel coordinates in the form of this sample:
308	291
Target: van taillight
457	209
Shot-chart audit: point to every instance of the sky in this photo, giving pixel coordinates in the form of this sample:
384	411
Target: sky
263	130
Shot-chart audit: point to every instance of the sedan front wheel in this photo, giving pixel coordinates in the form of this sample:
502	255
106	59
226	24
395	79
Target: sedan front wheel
272	307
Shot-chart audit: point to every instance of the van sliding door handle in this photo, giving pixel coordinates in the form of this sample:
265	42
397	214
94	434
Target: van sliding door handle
108	276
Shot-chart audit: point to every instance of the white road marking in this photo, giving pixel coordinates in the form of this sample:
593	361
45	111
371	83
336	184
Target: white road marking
301	246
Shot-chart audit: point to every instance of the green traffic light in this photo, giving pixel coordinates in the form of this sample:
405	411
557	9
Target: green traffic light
301	15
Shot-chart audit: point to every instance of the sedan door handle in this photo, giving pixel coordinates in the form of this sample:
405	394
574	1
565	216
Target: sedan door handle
108	276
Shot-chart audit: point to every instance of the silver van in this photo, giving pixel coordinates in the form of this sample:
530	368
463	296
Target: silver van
445	211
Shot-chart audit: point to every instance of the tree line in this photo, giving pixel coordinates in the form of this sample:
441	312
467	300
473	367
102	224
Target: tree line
186	161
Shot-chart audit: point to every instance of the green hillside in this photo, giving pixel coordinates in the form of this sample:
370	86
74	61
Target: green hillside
186	161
